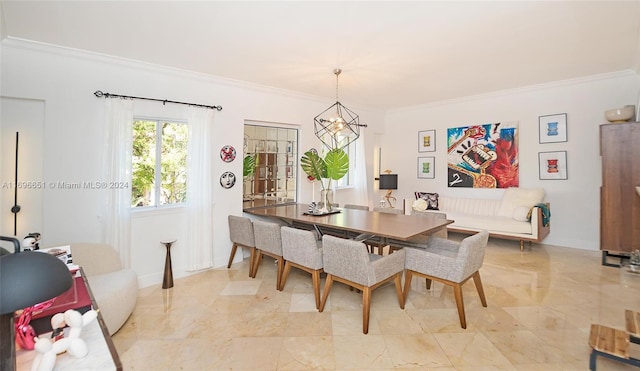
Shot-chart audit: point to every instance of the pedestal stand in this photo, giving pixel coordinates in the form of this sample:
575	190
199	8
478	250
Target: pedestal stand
167	281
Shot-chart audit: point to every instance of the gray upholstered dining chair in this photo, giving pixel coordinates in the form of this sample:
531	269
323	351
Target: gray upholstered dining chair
438	215
350	262
301	249
388	210
449	262
268	242
357	207
340	232
241	234
422	239
380	243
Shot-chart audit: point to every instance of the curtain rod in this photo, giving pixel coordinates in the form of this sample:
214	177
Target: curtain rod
100	94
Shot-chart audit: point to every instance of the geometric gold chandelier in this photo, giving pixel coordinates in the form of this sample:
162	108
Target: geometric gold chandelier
337	126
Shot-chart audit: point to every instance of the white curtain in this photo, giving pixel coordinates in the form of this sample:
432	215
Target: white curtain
361	196
200	189
116	207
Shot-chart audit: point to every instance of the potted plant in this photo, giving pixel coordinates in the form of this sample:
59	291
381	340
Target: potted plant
248	165
248	168
333	166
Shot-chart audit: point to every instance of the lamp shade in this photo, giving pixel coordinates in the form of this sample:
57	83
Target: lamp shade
388	181
29	278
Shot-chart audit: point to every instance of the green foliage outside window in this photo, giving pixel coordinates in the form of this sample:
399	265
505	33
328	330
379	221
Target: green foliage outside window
170	170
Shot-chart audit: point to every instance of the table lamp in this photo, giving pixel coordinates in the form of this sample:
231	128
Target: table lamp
26	279
389	182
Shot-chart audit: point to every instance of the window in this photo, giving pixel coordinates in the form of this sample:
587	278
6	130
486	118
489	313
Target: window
347	179
159	163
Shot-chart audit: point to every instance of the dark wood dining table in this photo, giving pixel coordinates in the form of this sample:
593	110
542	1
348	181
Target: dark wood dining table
362	223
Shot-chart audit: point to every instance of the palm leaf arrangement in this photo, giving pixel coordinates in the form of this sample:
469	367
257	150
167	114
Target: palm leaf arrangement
334	166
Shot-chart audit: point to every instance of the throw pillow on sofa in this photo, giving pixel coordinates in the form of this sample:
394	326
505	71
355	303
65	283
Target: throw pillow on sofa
521	214
515	197
431	198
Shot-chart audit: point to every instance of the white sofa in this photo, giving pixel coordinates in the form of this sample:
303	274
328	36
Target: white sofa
114	288
515	216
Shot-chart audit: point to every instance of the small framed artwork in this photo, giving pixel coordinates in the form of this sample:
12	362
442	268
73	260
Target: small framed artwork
427	141
426	167
552	165
553	128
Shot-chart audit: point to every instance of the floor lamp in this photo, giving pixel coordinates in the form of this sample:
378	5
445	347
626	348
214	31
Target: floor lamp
26	279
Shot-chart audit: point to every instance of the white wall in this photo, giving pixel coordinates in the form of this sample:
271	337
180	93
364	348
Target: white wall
73	124
575	209
25	116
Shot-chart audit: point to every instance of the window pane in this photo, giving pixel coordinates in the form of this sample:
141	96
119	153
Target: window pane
144	162
173	163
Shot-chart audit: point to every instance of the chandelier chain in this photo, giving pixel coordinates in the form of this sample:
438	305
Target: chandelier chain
337	83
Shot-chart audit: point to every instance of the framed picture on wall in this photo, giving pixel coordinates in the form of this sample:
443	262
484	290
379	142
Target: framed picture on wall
426	167
553	128
427	141
552	165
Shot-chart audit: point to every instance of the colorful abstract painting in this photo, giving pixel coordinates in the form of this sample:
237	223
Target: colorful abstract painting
483	156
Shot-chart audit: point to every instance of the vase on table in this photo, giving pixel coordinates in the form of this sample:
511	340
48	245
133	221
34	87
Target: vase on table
326	199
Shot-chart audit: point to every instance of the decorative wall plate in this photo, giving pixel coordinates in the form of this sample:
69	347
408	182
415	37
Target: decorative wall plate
227	179
228	153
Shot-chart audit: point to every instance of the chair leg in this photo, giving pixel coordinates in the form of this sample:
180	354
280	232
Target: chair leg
428	284
315	278
407	283
279	275
478	283
285	274
457	291
252	259
257	259
233	254
366	306
325	293
398	281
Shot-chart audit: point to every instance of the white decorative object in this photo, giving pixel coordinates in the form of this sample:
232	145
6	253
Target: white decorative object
623	114
72	343
419	204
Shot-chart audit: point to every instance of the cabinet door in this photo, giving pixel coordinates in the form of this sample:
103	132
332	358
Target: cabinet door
619	202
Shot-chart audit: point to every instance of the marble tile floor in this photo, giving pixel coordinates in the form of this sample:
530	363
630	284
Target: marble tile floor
541	303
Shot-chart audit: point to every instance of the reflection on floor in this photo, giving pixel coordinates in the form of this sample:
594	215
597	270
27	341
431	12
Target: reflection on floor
541	303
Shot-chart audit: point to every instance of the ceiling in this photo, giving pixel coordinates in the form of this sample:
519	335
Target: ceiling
393	54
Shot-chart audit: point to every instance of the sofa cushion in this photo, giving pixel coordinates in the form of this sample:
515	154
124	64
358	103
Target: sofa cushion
495	224
515	197
472	206
522	214
431	198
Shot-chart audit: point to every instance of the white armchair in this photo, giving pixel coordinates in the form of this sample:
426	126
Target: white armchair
115	288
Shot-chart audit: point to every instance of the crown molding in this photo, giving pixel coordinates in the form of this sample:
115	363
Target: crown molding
520	90
80	54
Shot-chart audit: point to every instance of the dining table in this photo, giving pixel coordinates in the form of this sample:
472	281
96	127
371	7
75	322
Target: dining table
358	224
